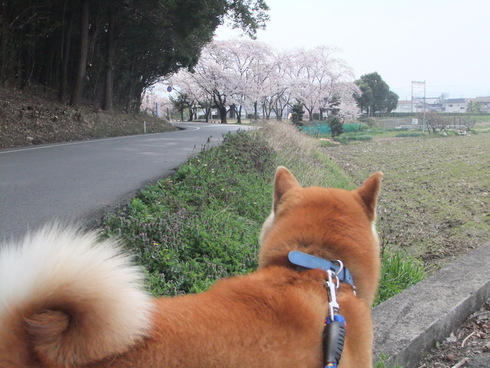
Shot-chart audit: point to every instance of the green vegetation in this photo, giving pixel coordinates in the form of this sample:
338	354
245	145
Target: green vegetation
382	362
203	223
410	134
336	126
112	50
398	272
297	114
354	137
375	95
369	128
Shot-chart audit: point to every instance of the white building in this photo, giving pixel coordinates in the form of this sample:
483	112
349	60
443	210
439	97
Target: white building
455	105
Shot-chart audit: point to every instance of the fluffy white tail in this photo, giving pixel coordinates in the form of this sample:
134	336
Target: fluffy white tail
76	298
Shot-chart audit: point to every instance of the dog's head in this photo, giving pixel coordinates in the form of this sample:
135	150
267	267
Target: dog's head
325	222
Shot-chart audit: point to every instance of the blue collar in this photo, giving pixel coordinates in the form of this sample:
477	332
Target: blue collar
308	261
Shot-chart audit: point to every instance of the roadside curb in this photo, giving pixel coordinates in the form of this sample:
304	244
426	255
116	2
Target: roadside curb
411	322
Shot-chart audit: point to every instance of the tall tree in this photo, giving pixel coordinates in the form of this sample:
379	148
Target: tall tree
375	94
76	97
108	51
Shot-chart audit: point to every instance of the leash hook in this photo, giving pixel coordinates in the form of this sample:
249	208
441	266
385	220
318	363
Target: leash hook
334	329
332	293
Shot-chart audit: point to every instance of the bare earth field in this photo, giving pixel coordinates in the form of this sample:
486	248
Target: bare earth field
434	206
435	198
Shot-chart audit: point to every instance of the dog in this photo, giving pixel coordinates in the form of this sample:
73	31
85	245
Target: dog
69	299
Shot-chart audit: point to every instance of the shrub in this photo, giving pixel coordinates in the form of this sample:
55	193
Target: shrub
297	114
336	126
351	138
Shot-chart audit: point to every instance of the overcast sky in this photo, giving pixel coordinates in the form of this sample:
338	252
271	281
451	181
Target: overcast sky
444	43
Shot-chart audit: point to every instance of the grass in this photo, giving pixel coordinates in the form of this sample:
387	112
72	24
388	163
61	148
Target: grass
203	223
399	271
382	362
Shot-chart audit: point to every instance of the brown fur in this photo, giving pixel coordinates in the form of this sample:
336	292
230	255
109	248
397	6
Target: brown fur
270	318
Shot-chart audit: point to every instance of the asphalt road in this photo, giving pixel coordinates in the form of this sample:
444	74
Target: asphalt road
80	181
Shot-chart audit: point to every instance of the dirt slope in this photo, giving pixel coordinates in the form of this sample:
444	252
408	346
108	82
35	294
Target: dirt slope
31	117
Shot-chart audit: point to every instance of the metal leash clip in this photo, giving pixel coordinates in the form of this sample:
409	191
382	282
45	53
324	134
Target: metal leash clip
332	287
334	328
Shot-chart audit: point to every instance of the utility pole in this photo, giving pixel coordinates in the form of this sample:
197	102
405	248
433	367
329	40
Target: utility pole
418	94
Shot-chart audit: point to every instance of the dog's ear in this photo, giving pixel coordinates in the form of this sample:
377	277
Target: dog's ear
369	193
283	182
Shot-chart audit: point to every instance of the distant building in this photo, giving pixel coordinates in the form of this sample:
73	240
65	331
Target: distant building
436	104
404	106
483	102
415	106
455	105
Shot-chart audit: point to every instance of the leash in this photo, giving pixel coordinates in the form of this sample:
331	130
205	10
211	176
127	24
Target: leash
334	325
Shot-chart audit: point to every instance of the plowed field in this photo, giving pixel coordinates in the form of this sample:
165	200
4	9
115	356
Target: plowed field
435	198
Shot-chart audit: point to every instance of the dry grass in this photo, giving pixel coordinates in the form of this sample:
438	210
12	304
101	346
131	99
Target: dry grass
302	155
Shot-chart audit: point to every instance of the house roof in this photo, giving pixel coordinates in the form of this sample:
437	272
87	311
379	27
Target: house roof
455	100
485	99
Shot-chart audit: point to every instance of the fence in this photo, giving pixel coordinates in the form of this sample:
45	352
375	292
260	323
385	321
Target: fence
321	128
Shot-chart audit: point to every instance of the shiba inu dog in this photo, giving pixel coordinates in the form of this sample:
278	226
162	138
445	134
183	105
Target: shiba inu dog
68	299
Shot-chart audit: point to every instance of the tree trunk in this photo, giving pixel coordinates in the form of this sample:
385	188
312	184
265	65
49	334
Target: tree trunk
76	97
239	115
207	112
4	32
65	51
310	113
110	57
220	102
222	114
130	92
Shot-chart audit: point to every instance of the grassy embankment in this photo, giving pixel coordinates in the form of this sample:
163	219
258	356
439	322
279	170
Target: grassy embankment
203	223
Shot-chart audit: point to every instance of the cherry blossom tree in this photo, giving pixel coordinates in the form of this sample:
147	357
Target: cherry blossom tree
248	62
184	82
233	76
321	77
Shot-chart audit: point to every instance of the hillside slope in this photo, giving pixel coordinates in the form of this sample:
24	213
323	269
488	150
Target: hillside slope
33	117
